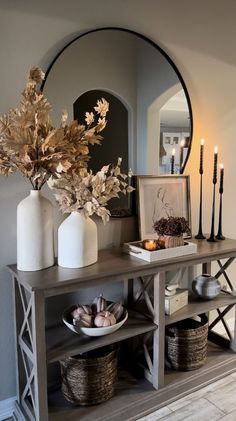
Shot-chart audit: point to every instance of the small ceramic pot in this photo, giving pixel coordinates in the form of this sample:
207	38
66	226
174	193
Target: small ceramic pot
206	286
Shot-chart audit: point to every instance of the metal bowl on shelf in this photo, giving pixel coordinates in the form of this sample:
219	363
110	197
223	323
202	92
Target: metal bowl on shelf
206	286
91	331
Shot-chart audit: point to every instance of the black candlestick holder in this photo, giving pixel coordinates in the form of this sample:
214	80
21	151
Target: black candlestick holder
200	235
219	235
212	237
172	164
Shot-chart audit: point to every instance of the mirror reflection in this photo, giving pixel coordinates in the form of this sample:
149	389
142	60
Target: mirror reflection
175	131
150	113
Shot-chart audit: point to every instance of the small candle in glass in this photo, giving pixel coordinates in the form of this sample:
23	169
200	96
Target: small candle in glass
150	245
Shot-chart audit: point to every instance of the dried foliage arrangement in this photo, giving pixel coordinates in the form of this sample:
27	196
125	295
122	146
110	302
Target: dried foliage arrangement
88	192
173	225
30	144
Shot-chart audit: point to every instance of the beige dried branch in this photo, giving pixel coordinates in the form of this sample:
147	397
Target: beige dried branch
89	192
30	144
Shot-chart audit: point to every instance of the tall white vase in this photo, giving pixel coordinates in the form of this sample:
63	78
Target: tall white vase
35	250
77	241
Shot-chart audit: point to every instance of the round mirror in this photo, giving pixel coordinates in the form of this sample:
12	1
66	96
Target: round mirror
150	117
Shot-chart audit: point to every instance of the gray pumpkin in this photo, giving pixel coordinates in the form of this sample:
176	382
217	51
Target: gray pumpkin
117	309
99	304
84	309
84	320
104	319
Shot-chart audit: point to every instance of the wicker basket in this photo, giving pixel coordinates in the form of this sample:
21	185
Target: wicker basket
89	379
186	344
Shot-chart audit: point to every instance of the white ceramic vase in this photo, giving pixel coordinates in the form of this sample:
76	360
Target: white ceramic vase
35	250
77	241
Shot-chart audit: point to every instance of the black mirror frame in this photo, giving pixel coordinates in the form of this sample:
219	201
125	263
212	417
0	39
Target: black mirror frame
157	47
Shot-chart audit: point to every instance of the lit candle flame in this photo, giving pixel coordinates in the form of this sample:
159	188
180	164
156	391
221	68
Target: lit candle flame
202	141
150	245
182	143
216	149
173	152
221	166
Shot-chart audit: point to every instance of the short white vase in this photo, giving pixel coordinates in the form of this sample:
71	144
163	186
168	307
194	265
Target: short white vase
77	241
35	250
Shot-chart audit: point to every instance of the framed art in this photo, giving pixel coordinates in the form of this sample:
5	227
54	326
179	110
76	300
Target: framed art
172	139
160	197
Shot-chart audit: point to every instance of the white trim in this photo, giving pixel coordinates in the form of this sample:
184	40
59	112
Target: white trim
7	408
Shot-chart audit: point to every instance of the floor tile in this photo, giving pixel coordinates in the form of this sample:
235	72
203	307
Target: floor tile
229	417
200	409
224	398
180	403
157	415
200	393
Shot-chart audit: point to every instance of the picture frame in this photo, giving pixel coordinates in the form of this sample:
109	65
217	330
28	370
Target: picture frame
172	139
162	196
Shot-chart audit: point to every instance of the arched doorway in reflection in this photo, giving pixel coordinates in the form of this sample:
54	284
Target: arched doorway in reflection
174	132
168	124
115	141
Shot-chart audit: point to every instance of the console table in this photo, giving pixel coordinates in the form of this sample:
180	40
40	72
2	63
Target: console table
38	347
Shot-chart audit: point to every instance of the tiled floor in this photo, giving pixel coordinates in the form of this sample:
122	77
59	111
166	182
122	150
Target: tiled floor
214	402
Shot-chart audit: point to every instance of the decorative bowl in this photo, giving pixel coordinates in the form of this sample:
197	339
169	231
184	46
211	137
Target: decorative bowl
91	331
206	286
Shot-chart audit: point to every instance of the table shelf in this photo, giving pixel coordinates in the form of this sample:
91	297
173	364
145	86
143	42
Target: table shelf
197	306
133	396
38	346
61	342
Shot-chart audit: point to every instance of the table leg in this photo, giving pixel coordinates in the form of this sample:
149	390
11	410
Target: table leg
30	354
159	334
206	268
39	344
128	292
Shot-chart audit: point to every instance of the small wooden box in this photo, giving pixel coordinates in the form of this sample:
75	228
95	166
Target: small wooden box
176	302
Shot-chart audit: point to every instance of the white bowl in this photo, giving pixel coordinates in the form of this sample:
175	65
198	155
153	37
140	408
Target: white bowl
91	331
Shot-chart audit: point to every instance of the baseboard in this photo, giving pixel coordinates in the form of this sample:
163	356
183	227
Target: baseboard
7	407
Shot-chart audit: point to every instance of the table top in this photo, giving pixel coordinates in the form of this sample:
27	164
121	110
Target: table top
114	265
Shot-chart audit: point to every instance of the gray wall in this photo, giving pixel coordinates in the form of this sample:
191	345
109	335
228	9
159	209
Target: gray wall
199	36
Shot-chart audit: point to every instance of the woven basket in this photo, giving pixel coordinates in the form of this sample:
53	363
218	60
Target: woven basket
169	241
186	344
89	379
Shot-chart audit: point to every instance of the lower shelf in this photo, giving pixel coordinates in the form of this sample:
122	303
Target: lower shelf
135	398
61	342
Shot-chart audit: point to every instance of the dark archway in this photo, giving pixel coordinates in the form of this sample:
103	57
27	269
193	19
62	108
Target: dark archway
115	135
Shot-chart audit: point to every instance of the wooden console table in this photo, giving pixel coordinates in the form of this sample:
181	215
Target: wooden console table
37	346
